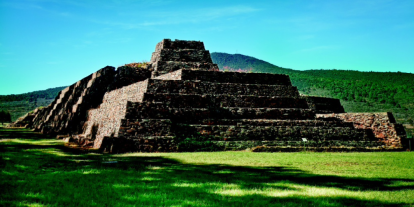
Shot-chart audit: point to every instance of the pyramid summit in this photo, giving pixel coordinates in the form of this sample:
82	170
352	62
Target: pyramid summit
180	101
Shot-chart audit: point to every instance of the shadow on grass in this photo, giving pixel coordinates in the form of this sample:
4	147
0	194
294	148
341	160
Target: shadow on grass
20	133
56	175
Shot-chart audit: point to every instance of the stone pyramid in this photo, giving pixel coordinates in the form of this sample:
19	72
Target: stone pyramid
180	101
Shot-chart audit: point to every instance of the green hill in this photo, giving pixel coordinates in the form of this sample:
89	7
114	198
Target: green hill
358	91
20	104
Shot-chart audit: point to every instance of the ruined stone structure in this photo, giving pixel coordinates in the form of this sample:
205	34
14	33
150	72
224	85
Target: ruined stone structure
382	125
24	121
180	101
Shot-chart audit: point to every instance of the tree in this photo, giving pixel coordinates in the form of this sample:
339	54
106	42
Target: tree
5	117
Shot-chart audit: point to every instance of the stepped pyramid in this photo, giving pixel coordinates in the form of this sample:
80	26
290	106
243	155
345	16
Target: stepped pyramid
188	100
180	101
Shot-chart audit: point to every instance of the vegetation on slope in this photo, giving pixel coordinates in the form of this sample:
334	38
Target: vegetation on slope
20	104
32	96
5	117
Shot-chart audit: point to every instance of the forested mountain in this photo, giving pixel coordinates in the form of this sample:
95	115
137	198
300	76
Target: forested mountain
32	96
358	91
20	104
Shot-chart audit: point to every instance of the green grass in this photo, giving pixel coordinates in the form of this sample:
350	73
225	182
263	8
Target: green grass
40	171
3	124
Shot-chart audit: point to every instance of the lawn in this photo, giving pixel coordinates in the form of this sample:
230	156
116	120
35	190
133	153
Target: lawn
41	171
3	124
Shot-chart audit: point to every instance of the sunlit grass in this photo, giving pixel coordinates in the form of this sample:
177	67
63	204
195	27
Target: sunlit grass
3	124
42	172
31	142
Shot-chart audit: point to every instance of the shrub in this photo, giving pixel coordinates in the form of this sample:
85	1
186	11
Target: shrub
229	69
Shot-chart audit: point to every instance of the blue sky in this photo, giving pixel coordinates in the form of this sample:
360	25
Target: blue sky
50	43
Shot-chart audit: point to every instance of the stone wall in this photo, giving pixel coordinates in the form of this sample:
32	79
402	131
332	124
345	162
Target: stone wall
240	132
126	75
197	87
170	56
67	113
323	105
161	111
236	77
163	67
179	44
107	118
382	125
184	51
227	77
175	75
225	100
183	55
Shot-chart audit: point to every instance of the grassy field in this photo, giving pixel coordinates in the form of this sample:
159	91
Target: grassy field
3	125
40	171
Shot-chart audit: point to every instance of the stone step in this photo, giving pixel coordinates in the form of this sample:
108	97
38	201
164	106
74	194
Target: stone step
327	108
137	110
138	144
324	105
298	145
144	128
237	122
179	44
221	100
275	122
236	77
163	67
158	127
227	77
160	144
182	55
246	132
197	87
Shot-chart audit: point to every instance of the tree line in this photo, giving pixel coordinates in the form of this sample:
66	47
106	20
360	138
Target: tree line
50	93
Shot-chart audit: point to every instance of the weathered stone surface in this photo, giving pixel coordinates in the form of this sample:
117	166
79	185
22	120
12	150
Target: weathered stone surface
126	75
380	124
227	77
182	55
179	44
183	51
160	111
67	113
164	67
323	105
106	120
198	87
224	100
